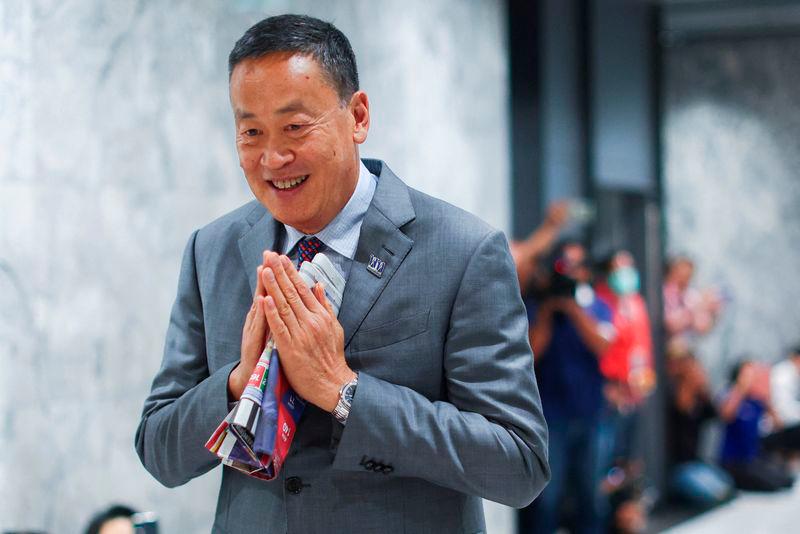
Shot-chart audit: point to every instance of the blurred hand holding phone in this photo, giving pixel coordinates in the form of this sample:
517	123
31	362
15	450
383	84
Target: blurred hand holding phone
581	211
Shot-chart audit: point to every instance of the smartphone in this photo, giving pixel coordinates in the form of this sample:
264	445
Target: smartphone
145	523
581	211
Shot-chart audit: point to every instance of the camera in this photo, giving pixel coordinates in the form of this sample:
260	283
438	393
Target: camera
561	284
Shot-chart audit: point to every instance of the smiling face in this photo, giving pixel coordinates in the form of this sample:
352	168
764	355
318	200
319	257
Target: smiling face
297	142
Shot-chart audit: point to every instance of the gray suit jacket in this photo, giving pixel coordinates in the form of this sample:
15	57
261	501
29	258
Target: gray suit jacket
446	411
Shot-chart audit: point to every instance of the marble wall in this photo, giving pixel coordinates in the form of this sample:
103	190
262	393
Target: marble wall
732	187
116	141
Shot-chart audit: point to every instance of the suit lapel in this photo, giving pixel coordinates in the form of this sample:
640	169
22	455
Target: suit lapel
263	235
380	237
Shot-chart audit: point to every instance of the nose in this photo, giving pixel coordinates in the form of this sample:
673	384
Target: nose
275	156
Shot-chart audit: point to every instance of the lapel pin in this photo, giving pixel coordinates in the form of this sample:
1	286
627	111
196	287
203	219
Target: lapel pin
376	265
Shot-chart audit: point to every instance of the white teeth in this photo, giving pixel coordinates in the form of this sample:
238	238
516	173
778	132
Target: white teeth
286	184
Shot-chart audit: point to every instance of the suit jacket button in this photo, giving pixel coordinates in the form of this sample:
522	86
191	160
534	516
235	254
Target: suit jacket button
294	485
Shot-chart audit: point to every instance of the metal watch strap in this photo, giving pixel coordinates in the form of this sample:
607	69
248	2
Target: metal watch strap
342	409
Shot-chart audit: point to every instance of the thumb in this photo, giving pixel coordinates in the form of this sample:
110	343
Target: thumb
260	318
262	315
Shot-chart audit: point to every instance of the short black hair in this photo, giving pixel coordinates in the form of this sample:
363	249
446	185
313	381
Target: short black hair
558	250
672	261
605	261
112	512
301	34
736	370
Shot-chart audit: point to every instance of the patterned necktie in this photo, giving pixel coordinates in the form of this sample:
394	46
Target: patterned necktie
307	248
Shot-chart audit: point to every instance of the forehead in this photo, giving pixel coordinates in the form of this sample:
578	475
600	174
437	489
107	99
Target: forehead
278	81
623	259
574	251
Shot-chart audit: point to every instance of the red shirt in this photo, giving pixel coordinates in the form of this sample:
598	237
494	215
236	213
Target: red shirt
629	357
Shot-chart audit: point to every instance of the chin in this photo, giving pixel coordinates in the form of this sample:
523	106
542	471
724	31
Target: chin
289	217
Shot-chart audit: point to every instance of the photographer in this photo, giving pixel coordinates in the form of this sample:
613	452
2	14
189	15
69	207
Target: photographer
743	406
570	329
529	252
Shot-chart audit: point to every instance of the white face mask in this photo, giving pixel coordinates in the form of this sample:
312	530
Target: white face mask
624	281
584	295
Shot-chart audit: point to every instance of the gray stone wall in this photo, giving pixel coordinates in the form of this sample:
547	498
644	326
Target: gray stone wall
732	186
116	140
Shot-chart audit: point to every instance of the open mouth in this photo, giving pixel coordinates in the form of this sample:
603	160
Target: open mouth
291	183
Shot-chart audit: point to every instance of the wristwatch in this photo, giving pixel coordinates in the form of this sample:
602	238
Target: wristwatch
346	395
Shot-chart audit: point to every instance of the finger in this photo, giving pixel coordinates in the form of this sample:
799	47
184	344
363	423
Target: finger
255	319
288	289
302	289
276	324
252	311
319	292
262	318
279	299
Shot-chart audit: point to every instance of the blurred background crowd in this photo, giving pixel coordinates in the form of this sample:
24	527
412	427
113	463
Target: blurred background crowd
591	335
641	155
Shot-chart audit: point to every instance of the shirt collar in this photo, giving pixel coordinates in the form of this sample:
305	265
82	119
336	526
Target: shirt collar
341	234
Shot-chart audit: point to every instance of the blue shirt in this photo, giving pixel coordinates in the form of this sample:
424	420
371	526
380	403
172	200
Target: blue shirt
741	435
340	236
570	383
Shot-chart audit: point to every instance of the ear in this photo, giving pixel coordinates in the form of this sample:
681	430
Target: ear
359	107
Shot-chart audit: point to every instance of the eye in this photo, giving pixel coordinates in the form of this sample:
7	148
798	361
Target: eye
252	132
293	127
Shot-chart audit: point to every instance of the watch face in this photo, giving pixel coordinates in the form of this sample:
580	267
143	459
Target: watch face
348	393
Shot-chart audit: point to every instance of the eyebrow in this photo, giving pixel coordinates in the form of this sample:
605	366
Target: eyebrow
291	107
241	114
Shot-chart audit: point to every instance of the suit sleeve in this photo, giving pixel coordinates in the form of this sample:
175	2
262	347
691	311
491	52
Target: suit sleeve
489	437
185	404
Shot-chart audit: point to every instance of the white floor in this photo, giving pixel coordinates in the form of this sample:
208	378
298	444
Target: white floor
753	513
750	513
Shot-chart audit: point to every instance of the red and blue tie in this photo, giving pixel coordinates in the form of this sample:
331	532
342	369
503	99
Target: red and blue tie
307	248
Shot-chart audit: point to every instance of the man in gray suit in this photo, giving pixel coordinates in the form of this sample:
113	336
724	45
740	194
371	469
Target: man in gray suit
422	397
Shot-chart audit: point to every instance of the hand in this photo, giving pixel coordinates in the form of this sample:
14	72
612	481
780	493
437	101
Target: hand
518	252
697	377
254	338
309	338
747	375
557	213
565	305
550	306
777	422
711	301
